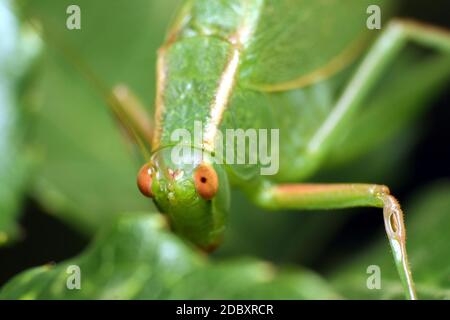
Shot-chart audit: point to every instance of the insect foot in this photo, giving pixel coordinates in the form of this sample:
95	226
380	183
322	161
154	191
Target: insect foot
395	230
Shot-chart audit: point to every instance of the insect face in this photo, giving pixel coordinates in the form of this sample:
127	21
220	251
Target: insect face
193	193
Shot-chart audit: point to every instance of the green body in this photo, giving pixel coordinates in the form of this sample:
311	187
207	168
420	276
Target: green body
281	35
278	50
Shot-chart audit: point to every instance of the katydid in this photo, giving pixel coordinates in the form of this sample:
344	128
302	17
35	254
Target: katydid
225	64
227	57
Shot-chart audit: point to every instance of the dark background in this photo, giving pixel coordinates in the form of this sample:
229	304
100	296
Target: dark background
48	240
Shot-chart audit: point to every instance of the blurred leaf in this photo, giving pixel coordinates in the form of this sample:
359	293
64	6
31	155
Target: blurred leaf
87	174
428	220
17	49
138	258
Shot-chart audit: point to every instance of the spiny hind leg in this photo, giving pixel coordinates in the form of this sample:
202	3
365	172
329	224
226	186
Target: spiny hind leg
333	196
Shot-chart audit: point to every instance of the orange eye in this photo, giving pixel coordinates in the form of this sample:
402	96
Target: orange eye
206	181
144	181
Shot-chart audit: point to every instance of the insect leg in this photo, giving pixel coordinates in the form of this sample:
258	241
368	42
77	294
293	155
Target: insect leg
396	35
333	196
135	113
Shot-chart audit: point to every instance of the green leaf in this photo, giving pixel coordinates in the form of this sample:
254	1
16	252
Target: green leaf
17	49
86	173
138	258
427	218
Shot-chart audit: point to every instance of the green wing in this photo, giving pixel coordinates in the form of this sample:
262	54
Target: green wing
286	43
299	42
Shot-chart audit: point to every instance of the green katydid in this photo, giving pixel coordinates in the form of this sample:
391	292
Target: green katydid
225	63
218	52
